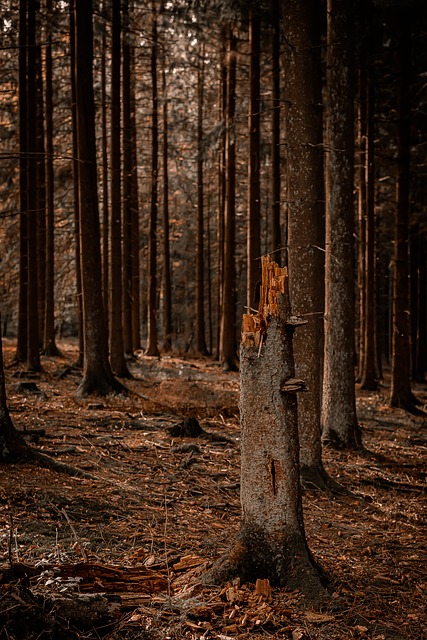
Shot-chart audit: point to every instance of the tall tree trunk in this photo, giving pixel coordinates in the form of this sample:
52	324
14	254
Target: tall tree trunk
401	394
306	228
76	196
33	354
136	298
271	543
361	211
339	400
228	312
275	149
105	179
21	345
221	187
369	374
118	361
254	191
127	183
167	280
49	343
41	177
152	348
200	295
97	375
421	353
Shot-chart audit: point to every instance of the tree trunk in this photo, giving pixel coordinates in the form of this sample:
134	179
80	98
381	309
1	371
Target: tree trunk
117	356
76	197
200	294
254	191
97	375
152	348
21	344
40	177
275	149
167	284
49	343
127	183
105	180
136	298
306	240
369	374
228	311
401	394
271	543
221	188
33	345
339	419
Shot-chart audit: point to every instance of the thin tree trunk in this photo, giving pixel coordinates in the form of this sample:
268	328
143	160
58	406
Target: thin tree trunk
33	354
369	374
152	348
41	178
254	191
228	312
271	543
127	183
167	280
221	190
117	356
200	294
97	375
306	228
49	343
77	248
401	394
275	149
21	345
105	180
339	418
136	298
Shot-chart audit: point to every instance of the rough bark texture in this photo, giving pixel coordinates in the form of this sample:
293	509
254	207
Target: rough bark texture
401	394
275	126
97	375
200	257
306	217
271	543
339	399
117	356
152	347
227	337
254	194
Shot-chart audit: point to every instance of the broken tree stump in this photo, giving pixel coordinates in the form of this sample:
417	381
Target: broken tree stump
271	543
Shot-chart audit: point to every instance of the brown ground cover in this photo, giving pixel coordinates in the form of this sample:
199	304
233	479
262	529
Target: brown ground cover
120	553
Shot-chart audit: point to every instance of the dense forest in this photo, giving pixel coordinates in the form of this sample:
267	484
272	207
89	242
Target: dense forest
236	184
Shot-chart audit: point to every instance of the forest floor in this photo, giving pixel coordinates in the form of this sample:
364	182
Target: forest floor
120	553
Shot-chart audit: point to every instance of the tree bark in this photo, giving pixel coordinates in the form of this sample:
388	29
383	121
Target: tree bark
369	373
306	240
49	342
97	375
152	346
167	278
76	197
271	543
33	344
254	190
200	294
275	149
401	394
228	312
117	355
21	343
339	418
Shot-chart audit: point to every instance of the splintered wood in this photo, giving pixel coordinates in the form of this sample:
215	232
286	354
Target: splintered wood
273	284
